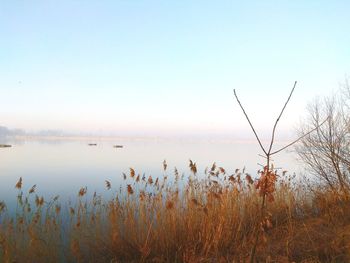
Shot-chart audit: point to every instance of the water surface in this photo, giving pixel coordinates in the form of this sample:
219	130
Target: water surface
61	167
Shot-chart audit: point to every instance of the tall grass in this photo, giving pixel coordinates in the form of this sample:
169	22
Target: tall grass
210	217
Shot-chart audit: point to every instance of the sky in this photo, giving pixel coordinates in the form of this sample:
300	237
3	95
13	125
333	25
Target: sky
137	67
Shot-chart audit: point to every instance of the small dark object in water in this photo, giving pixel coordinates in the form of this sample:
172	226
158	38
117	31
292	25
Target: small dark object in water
92	144
5	145
118	146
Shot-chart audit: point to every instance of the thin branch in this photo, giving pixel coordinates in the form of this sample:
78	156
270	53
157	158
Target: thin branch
306	134
347	162
274	127
251	126
262	156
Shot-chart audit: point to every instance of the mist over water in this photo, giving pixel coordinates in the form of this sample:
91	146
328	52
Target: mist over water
62	167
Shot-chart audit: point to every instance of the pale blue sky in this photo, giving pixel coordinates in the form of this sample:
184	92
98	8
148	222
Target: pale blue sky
167	67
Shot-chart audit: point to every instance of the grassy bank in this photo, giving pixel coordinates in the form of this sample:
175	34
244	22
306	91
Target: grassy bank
175	218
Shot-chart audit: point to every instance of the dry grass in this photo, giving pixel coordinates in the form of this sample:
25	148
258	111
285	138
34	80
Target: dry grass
180	219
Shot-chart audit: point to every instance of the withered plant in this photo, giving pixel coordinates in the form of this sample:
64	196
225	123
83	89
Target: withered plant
204	218
268	176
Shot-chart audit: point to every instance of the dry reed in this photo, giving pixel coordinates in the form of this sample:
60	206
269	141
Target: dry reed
206	218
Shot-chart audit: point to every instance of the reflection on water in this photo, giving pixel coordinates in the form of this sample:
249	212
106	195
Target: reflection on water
61	167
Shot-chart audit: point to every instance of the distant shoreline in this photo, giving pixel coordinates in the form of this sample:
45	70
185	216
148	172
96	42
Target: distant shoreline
138	138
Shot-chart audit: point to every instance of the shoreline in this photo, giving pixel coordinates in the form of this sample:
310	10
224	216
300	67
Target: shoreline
140	138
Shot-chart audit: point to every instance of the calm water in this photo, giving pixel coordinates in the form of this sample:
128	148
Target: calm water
61	167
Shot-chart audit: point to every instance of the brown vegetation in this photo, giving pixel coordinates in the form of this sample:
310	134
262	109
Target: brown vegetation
206	218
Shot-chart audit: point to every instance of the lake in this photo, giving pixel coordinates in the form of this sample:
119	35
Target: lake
63	166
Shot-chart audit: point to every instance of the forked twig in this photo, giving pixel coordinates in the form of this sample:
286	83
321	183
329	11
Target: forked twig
274	127
251	125
264	157
268	155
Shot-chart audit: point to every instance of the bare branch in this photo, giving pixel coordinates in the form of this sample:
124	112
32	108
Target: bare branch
347	162
265	157
274	127
306	134
262	156
251	126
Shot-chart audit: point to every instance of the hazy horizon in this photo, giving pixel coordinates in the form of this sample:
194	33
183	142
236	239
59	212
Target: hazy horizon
218	135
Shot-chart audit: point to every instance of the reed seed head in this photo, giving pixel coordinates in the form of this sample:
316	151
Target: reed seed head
32	190
19	183
108	185
130	190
